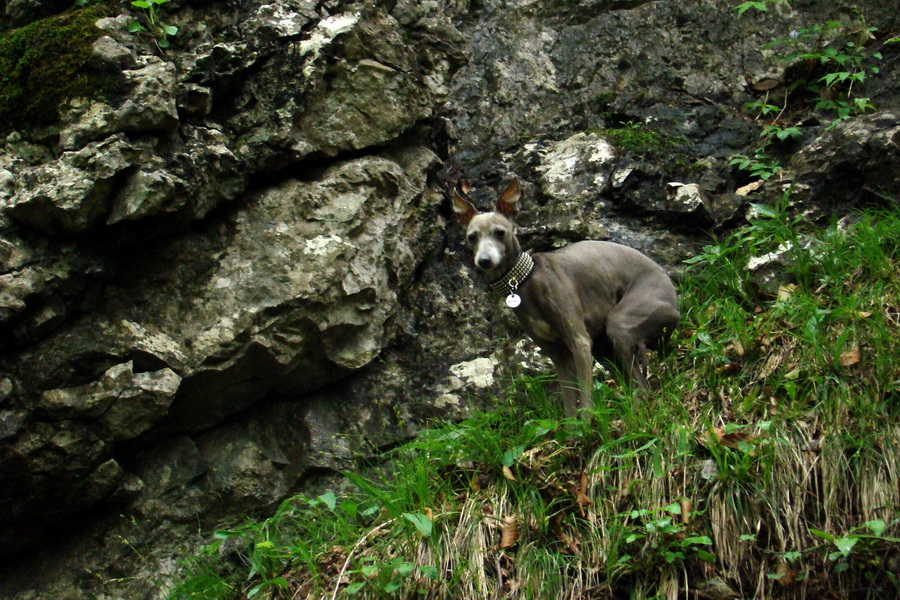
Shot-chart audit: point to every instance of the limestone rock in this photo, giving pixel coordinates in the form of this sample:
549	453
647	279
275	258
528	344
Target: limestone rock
125	403
149	106
856	160
74	192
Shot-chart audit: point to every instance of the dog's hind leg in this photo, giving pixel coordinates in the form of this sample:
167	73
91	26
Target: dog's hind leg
630	326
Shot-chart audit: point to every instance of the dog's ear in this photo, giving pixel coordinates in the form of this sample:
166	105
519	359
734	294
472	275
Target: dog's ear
507	201
463	208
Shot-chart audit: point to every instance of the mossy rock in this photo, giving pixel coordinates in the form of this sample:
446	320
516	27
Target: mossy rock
49	61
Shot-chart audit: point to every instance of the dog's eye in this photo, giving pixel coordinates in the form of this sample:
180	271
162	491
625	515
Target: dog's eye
499	233
472	237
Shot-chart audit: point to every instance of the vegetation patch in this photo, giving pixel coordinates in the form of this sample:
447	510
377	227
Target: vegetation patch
49	61
764	466
638	138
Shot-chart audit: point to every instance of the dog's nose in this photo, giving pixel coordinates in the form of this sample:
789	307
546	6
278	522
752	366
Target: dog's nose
484	263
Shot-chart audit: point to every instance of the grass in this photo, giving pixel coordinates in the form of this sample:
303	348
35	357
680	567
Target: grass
764	466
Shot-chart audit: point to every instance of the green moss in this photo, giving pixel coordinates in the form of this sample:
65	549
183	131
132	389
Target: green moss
639	139
49	61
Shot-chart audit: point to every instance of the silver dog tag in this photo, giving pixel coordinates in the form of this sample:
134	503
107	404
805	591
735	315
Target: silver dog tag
513	300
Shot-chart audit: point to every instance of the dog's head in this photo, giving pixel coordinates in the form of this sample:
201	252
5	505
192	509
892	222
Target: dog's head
492	235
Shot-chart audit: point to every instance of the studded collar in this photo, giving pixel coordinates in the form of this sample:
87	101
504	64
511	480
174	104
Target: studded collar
516	276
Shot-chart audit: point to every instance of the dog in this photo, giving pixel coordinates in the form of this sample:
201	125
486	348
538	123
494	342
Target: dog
590	299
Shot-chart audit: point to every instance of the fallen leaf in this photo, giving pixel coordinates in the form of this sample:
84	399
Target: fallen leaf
764	85
863	314
507	472
509	531
851	357
750	187
786	291
786	575
581	496
738	347
731	440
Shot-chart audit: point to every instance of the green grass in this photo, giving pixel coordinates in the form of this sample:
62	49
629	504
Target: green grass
766	463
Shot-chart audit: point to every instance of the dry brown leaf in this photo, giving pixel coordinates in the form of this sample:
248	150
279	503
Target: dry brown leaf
788	575
750	187
509	531
733	439
738	347
581	496
428	513
851	357
766	84
507	472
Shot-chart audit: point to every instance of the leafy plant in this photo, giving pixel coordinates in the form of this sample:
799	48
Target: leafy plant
153	23
829	60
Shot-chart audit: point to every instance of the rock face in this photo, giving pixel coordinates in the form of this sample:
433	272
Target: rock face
235	271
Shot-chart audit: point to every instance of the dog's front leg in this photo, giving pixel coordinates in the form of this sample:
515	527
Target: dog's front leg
584	363
574	367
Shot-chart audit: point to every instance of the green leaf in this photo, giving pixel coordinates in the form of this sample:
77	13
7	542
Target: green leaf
821	534
764	211
393	586
405	568
163	42
170	29
698	539
876	526
706	556
429	571
656	465
350	508
845	544
134	27
141	4
421	521
354	588
674	508
369	570
329	499
510	457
